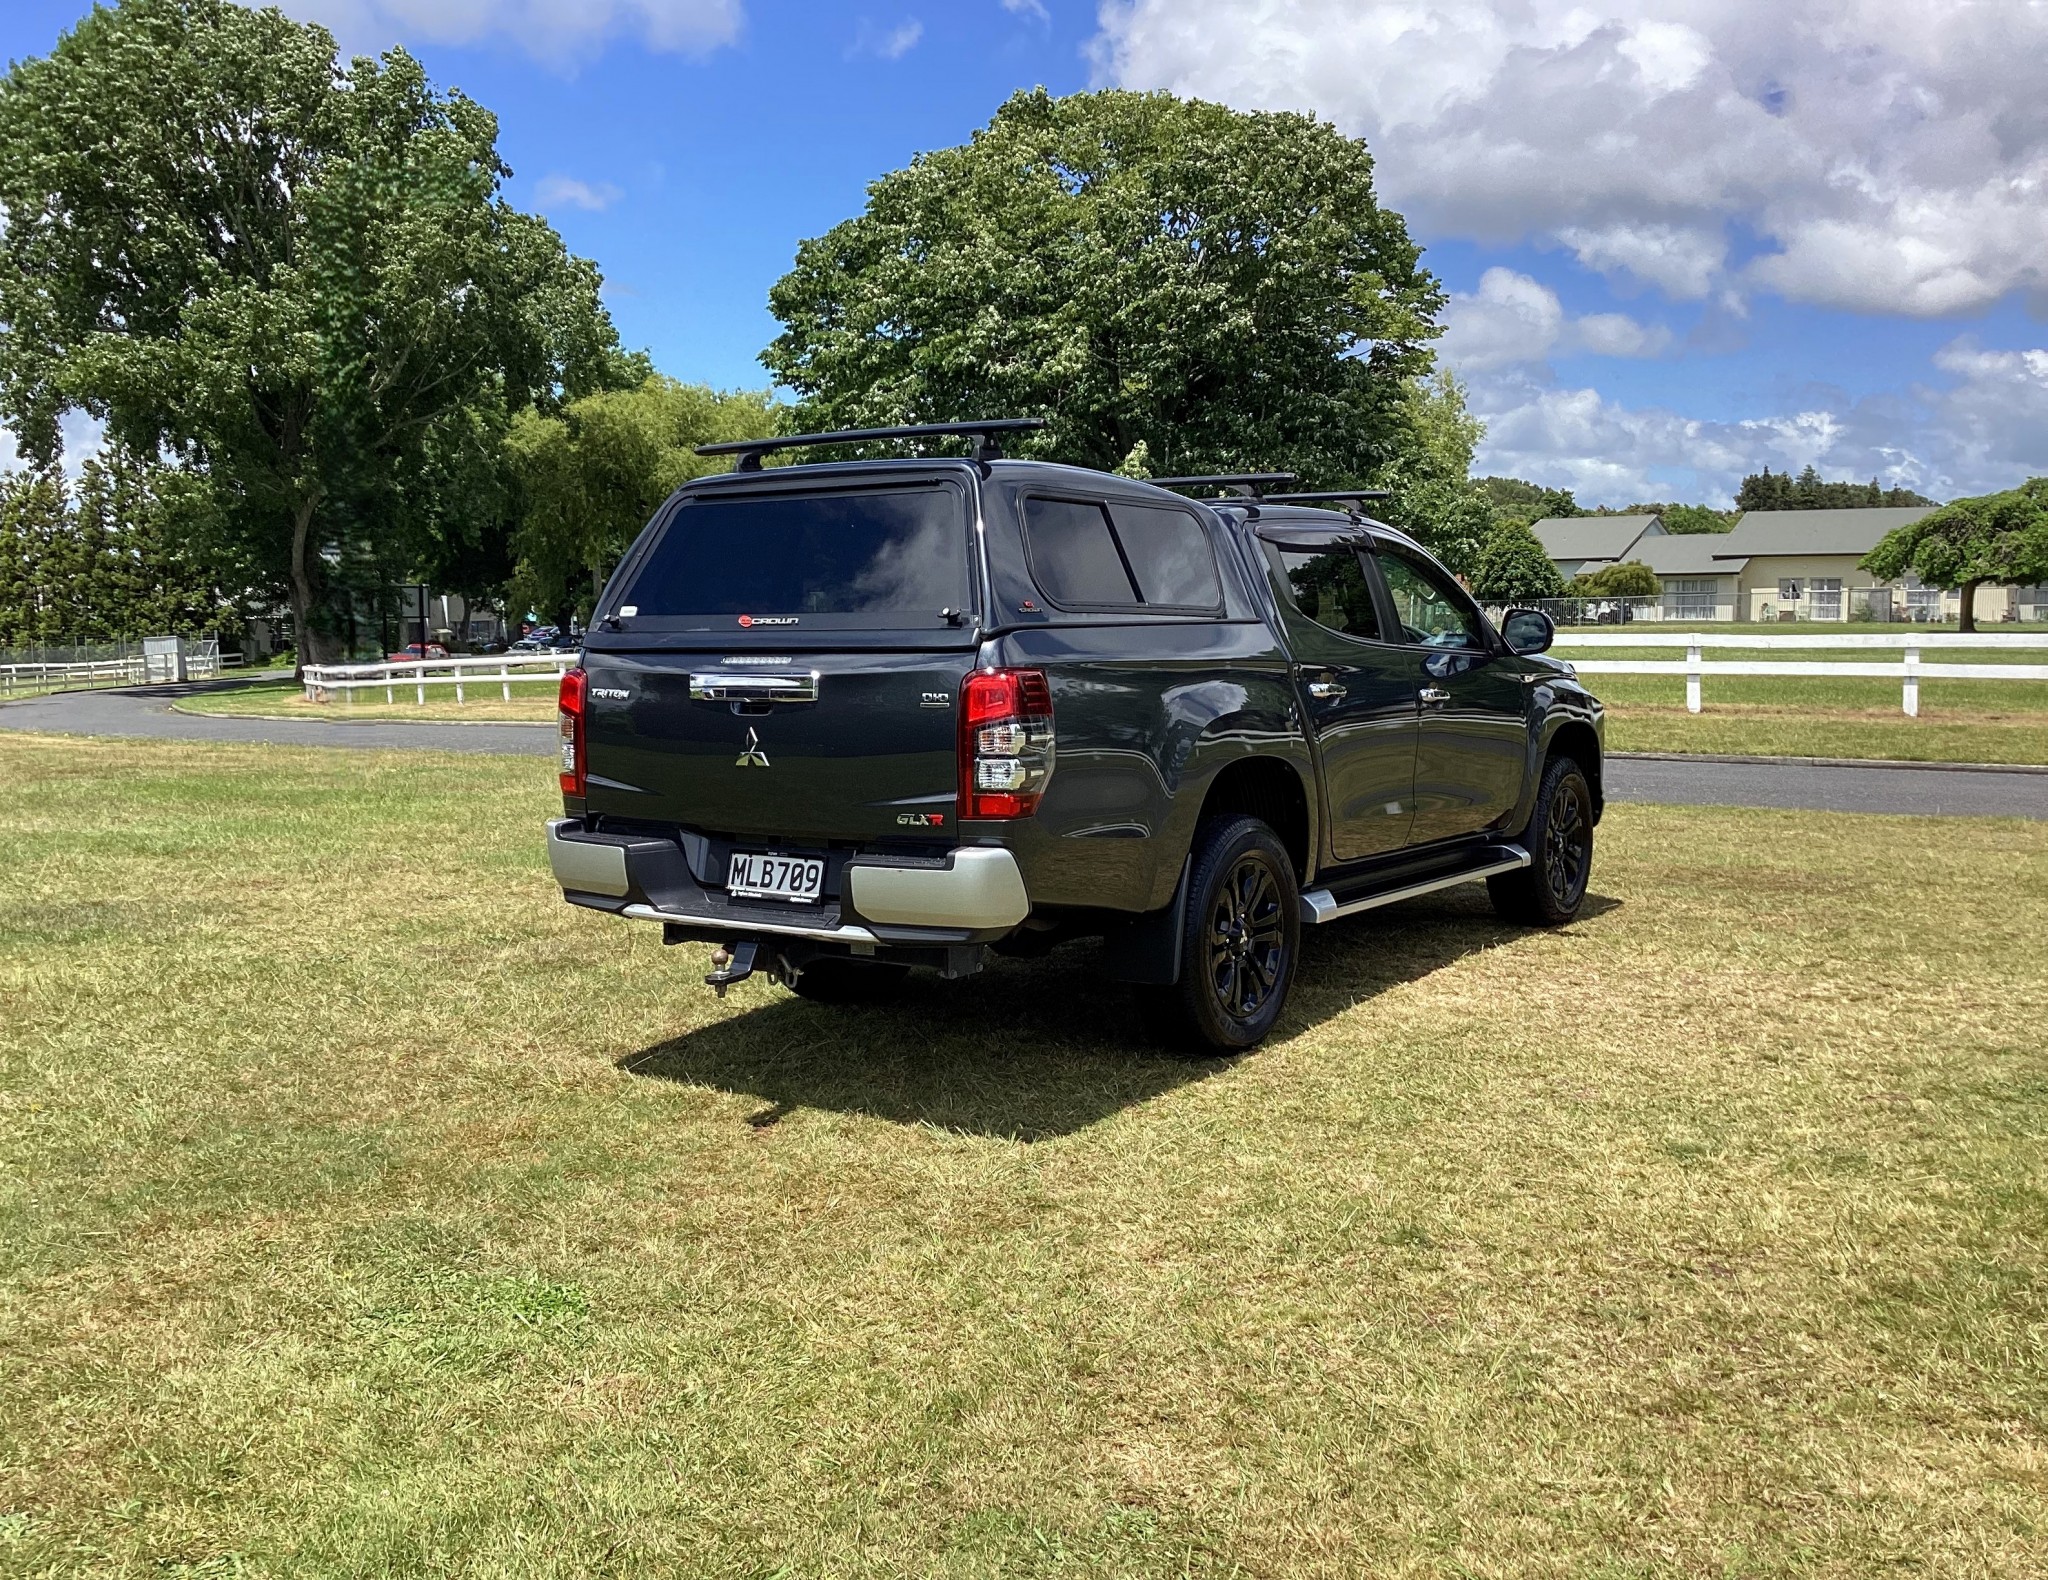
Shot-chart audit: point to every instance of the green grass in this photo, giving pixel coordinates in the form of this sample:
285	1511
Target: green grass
364	1210
533	700
1985	721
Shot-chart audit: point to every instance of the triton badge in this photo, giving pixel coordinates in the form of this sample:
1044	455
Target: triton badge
752	756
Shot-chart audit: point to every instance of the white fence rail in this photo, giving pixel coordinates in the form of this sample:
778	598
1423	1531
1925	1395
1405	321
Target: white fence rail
200	660
1908	668
324	681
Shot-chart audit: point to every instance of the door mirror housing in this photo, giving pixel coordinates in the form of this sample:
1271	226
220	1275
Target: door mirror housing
1528	631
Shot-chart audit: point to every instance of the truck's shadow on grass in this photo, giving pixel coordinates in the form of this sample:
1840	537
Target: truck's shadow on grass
1035	1049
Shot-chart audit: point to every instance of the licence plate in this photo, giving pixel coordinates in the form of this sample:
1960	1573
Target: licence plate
764	877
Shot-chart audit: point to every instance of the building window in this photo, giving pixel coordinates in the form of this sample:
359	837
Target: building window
1923	603
1692	597
1788	590
1825	595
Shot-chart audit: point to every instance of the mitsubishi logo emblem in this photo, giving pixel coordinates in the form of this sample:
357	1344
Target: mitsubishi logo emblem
752	756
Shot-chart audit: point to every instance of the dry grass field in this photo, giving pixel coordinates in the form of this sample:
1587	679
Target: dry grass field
365	1211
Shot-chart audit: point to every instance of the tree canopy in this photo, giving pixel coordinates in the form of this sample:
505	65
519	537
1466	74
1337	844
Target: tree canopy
1221	287
296	278
1629	579
1998	538
1768	490
119	556
591	475
1513	568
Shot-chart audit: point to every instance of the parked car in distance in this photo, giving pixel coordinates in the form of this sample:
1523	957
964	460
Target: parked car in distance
416	653
546	639
846	719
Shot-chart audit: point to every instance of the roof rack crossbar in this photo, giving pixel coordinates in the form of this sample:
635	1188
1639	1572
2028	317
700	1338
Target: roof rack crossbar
1240	485
1331	496
986	436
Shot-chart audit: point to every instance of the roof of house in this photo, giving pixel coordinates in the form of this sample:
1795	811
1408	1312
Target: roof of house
1688	554
1816	531
1592	537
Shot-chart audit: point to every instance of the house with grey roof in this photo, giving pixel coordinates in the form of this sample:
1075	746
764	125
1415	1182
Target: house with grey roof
1701	581
1805	565
1584	544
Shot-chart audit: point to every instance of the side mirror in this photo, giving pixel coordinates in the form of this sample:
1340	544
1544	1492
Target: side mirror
1528	631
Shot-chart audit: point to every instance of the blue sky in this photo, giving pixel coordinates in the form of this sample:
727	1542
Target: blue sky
1683	239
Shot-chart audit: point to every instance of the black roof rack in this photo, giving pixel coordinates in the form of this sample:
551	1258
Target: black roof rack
1333	496
987	446
1243	485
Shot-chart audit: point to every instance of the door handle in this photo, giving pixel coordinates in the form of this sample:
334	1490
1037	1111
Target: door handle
1326	691
1433	696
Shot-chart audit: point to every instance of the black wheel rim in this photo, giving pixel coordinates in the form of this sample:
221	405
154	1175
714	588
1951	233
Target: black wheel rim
1247	939
1567	843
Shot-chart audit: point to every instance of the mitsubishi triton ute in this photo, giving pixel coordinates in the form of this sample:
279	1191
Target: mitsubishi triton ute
845	719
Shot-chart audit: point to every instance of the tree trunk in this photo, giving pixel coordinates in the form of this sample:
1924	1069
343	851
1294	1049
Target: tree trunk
310	644
1969	610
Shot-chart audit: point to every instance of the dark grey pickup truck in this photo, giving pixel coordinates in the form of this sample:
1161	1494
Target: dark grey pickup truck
849	718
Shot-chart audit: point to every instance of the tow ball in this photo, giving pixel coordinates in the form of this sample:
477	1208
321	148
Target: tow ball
731	963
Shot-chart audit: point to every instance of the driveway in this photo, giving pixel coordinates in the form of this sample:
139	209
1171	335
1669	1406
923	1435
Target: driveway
146	711
1938	792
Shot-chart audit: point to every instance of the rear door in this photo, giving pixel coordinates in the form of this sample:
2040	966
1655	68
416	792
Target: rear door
787	663
1357	691
1472	746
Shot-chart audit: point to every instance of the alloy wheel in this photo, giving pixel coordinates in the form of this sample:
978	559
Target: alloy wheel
1566	844
1247	938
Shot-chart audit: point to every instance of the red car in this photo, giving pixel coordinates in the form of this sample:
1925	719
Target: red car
413	653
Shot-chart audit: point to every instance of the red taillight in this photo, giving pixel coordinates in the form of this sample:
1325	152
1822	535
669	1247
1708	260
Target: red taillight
571	717
1006	742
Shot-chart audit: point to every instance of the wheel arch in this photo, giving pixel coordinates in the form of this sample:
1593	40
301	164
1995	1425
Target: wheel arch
1579	741
1271	790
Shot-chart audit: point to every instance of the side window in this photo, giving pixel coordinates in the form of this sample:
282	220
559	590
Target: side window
1431	614
1169	554
1329	587
1073	556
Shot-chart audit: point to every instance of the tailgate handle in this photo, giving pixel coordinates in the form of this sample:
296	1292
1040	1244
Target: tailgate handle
754	688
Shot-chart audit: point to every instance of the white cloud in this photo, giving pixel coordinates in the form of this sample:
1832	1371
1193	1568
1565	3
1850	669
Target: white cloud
556	192
549	30
79	433
1513	319
1890	155
1978	431
891	43
1034	9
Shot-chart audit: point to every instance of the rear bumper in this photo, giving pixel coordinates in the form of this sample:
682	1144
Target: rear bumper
974	894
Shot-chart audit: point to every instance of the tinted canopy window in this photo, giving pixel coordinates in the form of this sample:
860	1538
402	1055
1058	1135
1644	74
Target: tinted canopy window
868	557
1169	553
1073	555
1329	587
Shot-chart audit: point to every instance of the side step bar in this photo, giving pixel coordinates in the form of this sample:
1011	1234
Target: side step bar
1320	905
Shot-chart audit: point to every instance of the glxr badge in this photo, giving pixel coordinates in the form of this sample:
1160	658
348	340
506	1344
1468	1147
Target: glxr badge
752	756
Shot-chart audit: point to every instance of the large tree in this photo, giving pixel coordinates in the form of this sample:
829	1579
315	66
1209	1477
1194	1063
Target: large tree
1220	287
295	277
1993	538
590	476
1513	568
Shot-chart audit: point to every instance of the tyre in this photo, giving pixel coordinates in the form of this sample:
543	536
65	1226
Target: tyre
1240	938
1549	891
831	980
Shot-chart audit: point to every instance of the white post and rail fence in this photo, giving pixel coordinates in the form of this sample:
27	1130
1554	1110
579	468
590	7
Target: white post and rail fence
324	682
1909	668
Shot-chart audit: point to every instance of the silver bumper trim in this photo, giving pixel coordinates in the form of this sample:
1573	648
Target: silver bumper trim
981	889
1319	905
585	865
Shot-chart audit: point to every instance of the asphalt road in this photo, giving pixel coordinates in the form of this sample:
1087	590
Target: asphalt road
1939	792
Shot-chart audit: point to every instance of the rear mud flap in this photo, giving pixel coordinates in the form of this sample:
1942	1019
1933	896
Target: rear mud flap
1146	949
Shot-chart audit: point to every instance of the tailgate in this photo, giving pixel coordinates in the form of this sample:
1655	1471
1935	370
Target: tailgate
858	745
